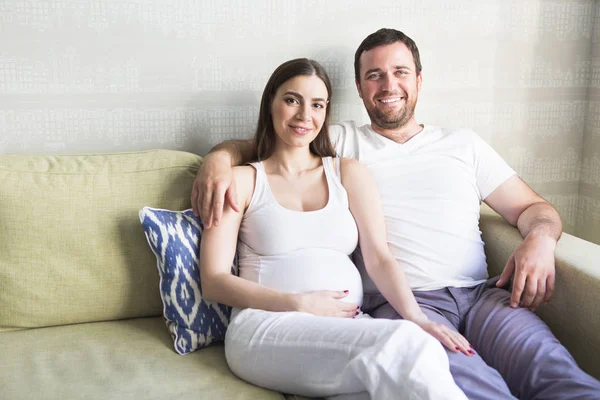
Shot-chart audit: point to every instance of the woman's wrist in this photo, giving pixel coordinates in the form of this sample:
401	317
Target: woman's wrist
290	302
418	318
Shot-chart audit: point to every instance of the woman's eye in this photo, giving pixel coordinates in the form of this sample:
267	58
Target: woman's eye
318	105
291	101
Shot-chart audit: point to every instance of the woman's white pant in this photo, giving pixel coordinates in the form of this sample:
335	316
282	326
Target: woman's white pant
314	356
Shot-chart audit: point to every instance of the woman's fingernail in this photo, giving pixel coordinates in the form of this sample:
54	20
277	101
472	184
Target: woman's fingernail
471	352
471	346
357	313
357	307
457	348
345	291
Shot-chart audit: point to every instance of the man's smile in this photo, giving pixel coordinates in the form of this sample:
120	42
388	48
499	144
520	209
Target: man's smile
389	100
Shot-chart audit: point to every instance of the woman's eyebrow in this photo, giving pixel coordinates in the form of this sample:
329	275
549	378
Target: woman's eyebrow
301	97
294	94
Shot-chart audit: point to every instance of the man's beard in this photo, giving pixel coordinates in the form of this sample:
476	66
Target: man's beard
386	121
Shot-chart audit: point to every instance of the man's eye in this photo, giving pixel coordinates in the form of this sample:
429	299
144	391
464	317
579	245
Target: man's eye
372	76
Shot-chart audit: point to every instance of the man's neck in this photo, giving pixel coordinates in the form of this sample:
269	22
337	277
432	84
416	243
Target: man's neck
402	134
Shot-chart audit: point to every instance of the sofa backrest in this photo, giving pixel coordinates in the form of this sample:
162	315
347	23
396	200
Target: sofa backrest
72	249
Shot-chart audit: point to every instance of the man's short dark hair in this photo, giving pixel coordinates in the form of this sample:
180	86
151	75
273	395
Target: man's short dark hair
383	37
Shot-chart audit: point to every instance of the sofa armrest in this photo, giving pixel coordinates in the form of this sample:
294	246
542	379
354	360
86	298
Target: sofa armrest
574	312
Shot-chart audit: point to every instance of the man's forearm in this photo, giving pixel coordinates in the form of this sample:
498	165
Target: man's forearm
239	151
540	219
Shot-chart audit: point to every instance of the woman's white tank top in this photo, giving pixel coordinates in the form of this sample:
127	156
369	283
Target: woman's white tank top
295	251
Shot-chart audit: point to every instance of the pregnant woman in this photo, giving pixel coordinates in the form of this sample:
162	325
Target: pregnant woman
296	326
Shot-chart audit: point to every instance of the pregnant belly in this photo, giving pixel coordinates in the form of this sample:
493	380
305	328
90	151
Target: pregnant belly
307	270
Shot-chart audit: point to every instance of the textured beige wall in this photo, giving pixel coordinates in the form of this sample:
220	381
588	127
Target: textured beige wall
107	75
588	221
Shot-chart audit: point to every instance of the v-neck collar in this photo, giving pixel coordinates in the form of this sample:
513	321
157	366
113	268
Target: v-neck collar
407	146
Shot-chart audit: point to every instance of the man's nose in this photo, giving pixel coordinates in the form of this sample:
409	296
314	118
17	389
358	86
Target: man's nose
388	82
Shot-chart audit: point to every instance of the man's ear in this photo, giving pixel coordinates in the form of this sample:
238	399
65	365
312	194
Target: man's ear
419	81
358	88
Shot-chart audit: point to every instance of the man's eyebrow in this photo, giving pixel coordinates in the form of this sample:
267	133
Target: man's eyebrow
370	71
301	97
396	67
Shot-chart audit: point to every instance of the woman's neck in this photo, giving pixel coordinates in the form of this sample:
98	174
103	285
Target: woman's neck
291	162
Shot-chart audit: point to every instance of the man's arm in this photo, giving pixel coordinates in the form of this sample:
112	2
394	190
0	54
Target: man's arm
239	151
214	184
532	263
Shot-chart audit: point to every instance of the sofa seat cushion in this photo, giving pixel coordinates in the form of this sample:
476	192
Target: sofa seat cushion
129	359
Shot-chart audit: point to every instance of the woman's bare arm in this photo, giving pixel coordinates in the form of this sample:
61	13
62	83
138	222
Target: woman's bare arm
382	267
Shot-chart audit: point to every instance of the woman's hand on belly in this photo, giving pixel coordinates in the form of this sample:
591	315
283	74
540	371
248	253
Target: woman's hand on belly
326	303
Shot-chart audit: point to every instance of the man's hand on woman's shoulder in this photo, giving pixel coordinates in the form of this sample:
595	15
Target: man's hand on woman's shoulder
214	188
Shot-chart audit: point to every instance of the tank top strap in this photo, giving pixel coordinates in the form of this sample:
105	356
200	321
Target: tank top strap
332	174
337	162
257	165
260	197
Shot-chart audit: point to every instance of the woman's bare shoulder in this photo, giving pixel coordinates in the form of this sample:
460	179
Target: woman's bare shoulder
353	172
352	166
245	178
244	172
348	162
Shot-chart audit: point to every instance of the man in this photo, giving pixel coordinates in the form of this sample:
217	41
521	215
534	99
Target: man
432	182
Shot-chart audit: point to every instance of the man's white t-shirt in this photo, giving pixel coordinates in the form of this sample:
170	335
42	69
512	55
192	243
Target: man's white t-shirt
431	189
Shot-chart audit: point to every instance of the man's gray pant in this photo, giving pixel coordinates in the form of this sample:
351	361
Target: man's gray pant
517	354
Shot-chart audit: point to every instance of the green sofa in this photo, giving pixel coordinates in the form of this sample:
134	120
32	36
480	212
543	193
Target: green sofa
80	310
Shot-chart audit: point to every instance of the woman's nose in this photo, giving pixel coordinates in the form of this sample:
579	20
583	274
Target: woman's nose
303	113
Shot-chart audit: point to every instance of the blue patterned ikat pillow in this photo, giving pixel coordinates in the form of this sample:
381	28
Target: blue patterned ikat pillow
174	237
